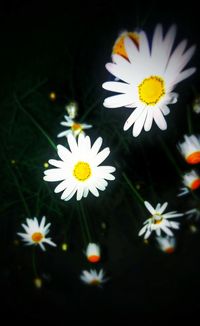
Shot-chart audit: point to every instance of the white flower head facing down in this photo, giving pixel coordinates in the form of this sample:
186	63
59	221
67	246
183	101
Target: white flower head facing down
190	149
36	233
79	168
93	277
148	78
158	221
166	244
191	180
75	128
93	253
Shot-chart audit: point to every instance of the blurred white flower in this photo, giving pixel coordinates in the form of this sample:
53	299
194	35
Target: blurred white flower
93	253
196	105
75	128
192	182
79	168
166	244
193	213
93	277
190	149
36	233
149	76
158	221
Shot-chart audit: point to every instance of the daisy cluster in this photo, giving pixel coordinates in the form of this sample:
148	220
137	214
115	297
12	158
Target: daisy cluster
145	76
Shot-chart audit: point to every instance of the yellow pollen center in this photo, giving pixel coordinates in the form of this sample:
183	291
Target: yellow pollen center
95	282
151	90
37	237
76	126
82	171
157	218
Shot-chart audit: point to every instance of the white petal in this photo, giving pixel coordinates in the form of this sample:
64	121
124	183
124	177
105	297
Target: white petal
159	119
149	120
101	156
132	118
163	207
58	164
137	128
131	49
149	207
63	153
116	87
117	101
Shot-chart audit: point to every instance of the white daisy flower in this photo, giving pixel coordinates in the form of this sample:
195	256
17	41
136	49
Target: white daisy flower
158	221
149	77
79	168
166	244
193	213
190	149
36	233
75	128
93	253
93	277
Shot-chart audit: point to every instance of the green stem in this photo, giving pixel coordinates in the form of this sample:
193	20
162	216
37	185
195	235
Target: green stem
82	227
138	196
34	263
170	157
34	122
190	129
85	222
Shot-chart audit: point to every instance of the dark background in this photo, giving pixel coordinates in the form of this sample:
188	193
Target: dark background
63	48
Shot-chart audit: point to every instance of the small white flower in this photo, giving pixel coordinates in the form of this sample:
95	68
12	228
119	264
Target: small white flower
79	168
193	213
36	233
75	128
93	253
158	221
190	149
93	277
166	244
192	182
196	105
148	77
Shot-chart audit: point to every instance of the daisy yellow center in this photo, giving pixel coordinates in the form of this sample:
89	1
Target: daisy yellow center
95	282
169	250
119	47
157	218
76	126
195	184
82	171
193	158
151	90
94	258
37	237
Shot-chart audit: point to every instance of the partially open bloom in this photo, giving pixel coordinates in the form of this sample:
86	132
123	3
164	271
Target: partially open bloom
36	233
190	149
149	77
192	182
72	109
166	244
93	253
158	221
119	46
79	168
75	128
93	277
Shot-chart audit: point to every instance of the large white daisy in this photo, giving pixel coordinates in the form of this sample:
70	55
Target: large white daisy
159	221
149	76
79	168
74	127
36	233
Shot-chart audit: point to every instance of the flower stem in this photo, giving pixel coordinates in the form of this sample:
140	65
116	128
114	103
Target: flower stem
34	263
189	120
85	222
170	157
136	193
34	122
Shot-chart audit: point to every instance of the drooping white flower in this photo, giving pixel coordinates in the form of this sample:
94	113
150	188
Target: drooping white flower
36	233
93	277
158	221
190	149
93	253
75	128
79	168
166	244
192	182
149	77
